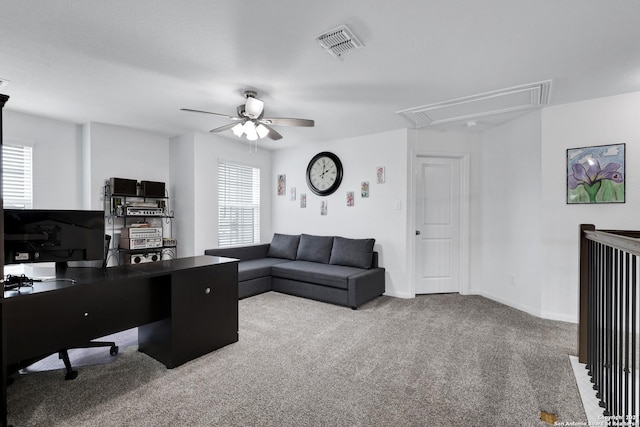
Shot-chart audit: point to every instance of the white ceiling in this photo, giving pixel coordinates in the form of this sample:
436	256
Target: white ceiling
136	63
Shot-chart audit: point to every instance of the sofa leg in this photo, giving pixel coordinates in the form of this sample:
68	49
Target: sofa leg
354	308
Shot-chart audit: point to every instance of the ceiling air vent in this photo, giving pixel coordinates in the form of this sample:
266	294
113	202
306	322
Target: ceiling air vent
3	83
338	41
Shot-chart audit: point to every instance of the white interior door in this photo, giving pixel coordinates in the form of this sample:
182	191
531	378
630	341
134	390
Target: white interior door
437	215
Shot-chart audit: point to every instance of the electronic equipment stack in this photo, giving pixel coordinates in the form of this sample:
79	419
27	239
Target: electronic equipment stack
138	211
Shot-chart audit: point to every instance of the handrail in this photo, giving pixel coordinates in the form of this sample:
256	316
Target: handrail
616	239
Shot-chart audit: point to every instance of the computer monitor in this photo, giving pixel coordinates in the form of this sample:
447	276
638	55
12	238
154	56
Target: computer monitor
39	235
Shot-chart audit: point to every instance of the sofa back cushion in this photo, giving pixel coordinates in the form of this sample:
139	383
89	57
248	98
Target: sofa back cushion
283	246
352	252
315	248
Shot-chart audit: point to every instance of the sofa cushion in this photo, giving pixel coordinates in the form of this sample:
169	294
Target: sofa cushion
315	248
335	276
283	246
352	252
252	269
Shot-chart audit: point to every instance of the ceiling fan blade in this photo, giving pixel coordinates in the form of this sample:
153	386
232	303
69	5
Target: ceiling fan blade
272	133
209	112
282	121
223	128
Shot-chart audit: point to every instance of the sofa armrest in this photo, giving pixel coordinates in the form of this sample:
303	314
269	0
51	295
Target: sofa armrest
243	253
365	286
374	260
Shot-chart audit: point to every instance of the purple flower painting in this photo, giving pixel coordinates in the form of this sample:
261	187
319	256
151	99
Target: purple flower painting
596	174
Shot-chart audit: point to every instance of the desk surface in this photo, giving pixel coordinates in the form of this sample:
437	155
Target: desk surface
76	276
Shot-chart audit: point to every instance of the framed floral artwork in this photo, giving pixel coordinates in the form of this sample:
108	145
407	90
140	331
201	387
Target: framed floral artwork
282	185
350	198
596	174
364	189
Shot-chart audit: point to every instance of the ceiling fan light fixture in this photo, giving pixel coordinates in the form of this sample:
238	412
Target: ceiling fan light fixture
238	130
250	130
262	130
253	107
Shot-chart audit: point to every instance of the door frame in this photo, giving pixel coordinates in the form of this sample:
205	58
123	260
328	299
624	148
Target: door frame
464	215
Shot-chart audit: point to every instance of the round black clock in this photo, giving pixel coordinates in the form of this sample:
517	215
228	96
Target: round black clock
324	173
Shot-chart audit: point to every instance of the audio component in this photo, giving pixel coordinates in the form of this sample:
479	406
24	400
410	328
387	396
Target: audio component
142	258
134	211
140	232
152	189
141	243
142	204
123	187
168	242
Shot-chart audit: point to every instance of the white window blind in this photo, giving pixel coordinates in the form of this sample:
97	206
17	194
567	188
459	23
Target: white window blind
17	177
238	205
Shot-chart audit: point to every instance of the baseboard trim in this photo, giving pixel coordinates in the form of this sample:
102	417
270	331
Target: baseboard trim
398	295
561	317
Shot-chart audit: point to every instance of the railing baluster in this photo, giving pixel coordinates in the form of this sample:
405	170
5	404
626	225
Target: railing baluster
634	332
609	341
627	281
599	331
620	331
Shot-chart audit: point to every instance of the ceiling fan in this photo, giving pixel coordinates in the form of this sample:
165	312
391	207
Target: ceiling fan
250	120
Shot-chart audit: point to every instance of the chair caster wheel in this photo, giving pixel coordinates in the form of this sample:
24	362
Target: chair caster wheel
114	350
71	375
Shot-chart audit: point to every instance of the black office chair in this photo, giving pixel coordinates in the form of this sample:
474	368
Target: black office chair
113	348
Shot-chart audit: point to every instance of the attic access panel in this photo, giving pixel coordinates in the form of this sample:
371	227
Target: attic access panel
490	103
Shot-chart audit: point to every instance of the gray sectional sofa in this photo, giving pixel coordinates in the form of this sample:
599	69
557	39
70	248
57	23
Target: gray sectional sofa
331	269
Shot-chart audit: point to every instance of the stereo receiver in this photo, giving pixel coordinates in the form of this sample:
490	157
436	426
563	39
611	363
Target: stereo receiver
141	243
133	211
140	232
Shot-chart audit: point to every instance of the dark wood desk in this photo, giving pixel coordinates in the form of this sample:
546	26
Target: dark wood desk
184	308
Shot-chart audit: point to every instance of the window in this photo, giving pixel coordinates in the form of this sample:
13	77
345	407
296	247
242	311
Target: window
238	205
17	186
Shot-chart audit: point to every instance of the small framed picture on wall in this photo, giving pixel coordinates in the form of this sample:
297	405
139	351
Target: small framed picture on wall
364	189
282	185
350	198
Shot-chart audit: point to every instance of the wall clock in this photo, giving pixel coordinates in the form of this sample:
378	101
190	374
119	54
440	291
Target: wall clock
324	173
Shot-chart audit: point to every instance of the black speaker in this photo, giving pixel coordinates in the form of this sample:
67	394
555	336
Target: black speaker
152	189
123	187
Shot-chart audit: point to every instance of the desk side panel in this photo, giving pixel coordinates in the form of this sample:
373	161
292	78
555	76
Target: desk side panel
204	315
47	322
205	309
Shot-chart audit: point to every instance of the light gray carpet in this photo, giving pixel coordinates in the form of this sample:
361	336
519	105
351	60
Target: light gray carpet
439	360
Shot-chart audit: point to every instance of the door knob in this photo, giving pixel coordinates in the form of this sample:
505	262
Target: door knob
417	232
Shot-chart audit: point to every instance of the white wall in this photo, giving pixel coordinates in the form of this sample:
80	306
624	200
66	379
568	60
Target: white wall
601	121
57	158
181	167
510	252
194	172
372	217
121	152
